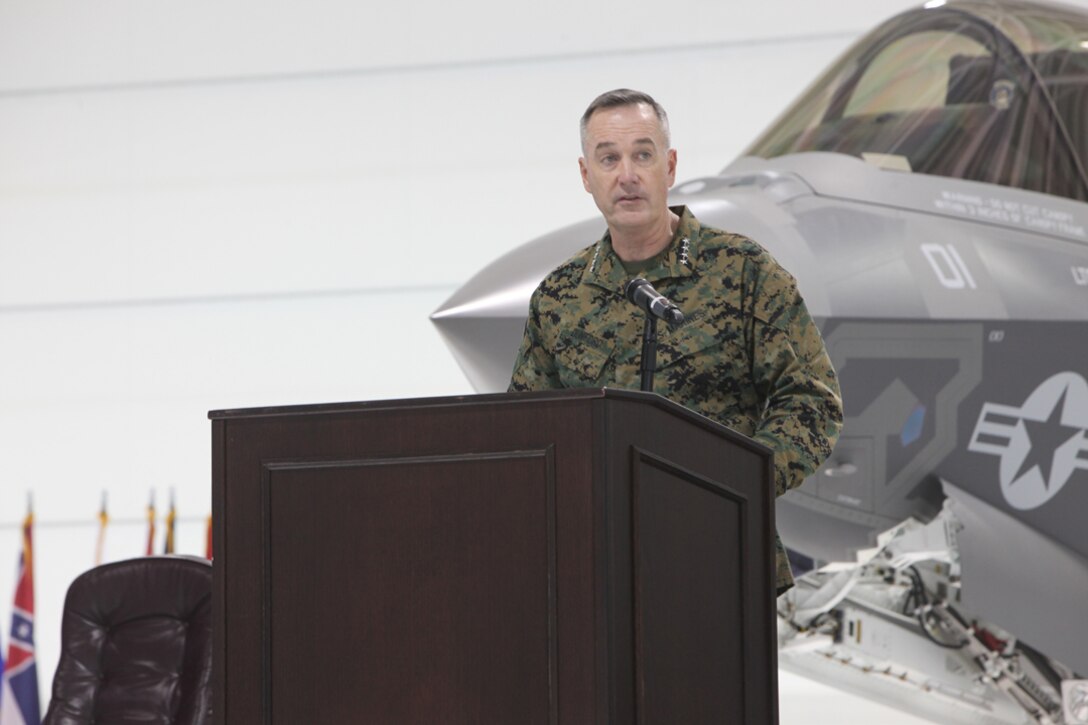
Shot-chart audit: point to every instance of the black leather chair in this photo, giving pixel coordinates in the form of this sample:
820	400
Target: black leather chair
136	645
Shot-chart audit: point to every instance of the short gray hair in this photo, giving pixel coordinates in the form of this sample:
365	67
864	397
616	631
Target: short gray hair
624	97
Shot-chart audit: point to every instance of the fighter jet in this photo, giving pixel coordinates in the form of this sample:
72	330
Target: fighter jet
929	192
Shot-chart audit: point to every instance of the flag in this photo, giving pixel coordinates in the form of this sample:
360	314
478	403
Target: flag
1	674
208	539
19	703
103	521
150	528
171	514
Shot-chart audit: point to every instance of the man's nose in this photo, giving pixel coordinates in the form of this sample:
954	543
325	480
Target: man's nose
627	172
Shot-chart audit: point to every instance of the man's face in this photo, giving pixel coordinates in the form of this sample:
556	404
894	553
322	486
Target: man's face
627	167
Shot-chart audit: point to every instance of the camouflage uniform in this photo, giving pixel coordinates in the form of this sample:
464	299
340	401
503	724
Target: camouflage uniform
747	355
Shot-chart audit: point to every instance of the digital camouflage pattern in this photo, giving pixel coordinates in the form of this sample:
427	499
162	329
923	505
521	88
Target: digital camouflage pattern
747	354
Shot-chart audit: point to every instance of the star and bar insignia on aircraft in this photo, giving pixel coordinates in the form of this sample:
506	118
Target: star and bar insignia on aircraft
1041	443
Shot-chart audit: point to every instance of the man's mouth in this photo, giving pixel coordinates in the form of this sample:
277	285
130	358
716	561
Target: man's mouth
629	198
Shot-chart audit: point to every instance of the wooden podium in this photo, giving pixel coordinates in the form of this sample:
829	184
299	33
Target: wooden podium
561	558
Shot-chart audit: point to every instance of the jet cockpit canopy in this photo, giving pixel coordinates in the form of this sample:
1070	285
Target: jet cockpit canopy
987	91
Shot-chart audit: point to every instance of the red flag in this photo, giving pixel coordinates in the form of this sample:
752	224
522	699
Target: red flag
208	542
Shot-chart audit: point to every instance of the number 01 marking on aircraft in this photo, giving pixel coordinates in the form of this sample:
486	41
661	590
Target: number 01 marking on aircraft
949	267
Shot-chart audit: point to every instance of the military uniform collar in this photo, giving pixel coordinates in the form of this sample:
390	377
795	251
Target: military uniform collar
606	270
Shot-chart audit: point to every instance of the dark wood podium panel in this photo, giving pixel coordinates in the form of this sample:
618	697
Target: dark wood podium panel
686	649
558	558
463	544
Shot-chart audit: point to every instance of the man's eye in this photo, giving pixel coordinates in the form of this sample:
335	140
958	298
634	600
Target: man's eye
610	159
644	156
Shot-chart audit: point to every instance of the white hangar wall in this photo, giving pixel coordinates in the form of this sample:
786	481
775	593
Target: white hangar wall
208	205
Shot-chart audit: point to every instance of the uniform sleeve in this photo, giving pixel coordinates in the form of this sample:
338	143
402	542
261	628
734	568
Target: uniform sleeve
792	372
534	368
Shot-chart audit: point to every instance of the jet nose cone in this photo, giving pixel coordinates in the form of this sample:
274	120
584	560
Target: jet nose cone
483	321
482	324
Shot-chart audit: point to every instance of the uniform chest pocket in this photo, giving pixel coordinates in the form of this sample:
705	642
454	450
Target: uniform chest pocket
703	342
582	359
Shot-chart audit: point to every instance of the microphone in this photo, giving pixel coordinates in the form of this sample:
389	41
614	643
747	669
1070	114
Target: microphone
645	296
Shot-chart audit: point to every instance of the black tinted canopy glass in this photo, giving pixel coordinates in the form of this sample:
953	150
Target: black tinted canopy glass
987	91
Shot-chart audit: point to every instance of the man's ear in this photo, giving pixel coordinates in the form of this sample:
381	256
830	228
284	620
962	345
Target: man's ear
584	171
671	160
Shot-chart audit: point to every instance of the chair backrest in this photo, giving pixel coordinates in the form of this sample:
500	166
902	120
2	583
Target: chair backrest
136	644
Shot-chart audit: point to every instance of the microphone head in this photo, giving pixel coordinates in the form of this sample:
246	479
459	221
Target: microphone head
633	287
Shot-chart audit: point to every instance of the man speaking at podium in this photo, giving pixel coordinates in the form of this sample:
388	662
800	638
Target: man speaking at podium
746	354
